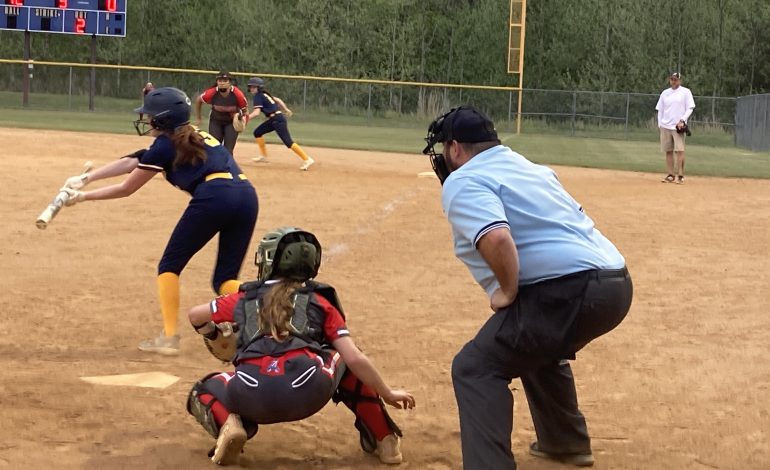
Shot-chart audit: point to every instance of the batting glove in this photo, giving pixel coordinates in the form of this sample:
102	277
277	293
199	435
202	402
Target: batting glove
76	182
73	196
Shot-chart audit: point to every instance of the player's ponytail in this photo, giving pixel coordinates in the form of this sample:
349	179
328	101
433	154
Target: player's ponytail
189	145
278	308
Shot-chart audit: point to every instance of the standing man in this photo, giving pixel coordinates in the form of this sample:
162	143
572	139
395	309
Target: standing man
674	107
554	283
226	102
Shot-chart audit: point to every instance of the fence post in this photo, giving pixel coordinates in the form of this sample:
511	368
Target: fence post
369	106
574	111
92	88
510	104
628	105
304	95
69	97
27	67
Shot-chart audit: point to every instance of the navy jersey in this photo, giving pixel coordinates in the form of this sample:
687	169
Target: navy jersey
266	102
160	157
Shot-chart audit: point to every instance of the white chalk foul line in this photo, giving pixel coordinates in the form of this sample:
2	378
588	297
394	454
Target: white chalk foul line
377	218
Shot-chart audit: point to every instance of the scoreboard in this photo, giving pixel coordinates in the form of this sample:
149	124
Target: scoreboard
87	17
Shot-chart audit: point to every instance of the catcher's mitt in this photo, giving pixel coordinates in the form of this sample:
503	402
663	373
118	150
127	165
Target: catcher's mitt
239	122
222	342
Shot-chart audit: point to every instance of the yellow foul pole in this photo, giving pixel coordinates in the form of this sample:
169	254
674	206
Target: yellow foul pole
516	33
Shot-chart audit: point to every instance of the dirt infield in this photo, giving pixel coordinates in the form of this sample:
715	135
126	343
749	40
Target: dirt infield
683	383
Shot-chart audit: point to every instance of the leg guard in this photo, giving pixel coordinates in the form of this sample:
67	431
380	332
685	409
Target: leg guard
352	397
200	410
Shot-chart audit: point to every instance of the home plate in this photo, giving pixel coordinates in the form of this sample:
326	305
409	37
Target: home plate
426	174
145	379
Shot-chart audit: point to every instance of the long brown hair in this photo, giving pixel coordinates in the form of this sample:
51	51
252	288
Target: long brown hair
189	145
278	308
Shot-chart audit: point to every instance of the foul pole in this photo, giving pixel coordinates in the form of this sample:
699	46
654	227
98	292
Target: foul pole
516	32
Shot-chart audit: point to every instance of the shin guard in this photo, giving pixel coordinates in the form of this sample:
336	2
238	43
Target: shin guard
372	419
199	404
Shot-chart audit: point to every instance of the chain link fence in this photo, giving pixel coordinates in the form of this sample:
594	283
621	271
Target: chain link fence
578	113
752	122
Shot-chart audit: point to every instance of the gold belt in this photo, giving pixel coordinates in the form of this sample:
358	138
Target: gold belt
224	176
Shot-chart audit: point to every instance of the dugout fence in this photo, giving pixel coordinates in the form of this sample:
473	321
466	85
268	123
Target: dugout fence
623	115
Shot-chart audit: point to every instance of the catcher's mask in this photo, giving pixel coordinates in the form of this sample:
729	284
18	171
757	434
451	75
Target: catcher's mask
256	82
463	124
289	253
166	108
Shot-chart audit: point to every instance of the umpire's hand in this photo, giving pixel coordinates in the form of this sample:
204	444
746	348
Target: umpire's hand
500	299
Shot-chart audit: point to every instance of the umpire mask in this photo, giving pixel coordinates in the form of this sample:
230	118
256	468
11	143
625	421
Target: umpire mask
464	124
439	131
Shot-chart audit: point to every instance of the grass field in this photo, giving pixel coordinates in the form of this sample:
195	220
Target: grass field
708	154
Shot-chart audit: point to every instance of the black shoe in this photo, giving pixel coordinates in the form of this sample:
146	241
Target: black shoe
668	179
580	459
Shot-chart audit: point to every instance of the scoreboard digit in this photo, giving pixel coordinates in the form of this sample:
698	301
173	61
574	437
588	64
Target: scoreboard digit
91	17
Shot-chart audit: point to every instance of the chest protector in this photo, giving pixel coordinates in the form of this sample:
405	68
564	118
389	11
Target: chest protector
307	321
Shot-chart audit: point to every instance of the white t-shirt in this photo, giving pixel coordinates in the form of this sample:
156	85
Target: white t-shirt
674	105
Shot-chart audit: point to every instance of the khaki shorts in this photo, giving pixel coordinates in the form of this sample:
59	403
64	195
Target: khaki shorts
671	140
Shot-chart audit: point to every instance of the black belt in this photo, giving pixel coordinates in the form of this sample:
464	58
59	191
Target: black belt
611	273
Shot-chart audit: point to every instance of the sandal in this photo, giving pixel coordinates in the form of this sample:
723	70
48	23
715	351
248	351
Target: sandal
668	179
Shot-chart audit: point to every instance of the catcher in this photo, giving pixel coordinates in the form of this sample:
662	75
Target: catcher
292	352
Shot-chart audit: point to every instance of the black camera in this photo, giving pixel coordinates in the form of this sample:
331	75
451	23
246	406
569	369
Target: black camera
686	129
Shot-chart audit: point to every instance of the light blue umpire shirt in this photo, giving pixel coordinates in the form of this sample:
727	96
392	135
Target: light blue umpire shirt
554	237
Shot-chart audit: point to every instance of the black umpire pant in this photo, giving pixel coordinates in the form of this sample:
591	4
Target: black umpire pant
548	323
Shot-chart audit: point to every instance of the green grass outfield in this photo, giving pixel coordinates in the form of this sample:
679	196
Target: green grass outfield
405	135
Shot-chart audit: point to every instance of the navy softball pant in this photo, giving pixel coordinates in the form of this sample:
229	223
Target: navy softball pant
290	387
226	207
278	124
278	389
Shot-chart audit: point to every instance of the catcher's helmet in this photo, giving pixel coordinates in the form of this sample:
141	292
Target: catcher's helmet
257	82
168	108
288	252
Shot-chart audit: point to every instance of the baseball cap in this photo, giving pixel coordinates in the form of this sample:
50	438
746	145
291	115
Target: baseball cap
676	75
464	124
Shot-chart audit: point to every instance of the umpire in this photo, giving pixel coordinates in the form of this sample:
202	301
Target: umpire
554	283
